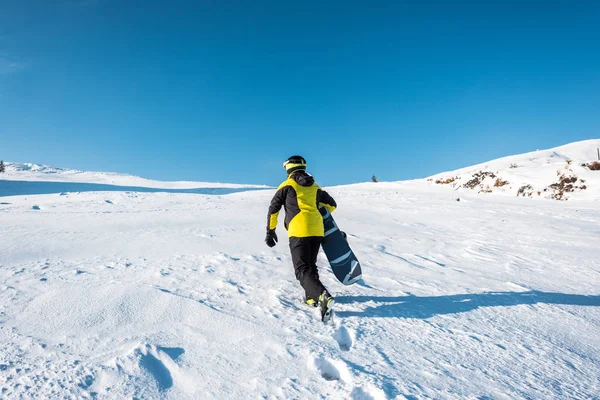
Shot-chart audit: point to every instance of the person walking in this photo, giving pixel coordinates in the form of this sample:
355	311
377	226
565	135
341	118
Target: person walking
301	198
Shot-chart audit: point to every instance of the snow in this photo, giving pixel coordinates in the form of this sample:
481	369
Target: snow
540	169
127	294
103	180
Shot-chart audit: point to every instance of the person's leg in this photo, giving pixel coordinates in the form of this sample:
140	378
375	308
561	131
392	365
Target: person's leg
302	250
314	269
326	301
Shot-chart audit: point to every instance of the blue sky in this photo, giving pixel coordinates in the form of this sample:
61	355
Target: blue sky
226	90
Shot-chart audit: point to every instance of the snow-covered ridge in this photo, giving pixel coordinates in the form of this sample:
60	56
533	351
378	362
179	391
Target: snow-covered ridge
29	167
561	173
36	172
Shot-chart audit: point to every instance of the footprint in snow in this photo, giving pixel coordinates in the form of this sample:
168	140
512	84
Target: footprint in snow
157	369
344	338
158	362
370	393
332	370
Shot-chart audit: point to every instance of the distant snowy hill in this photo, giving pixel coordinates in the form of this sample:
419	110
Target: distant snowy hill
34	179
35	172
29	167
560	173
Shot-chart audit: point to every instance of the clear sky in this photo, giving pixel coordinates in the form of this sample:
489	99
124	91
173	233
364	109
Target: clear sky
226	90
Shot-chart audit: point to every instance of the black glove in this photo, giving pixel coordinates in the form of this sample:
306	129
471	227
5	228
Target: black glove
271	239
344	235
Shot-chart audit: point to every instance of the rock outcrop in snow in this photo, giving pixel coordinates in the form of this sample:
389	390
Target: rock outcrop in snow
563	173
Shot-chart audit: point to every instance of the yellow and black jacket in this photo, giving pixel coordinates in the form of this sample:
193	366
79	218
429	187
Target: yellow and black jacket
300	196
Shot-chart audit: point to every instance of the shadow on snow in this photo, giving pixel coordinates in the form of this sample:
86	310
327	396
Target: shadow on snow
426	307
23	188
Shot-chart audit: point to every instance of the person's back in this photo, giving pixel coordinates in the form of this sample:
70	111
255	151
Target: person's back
301	198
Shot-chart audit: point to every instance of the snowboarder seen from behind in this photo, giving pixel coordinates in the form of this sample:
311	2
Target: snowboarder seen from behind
301	198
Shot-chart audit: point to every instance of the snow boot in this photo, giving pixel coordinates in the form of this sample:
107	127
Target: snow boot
326	302
311	302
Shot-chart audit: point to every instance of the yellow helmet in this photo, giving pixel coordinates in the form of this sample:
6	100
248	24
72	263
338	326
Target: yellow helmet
294	163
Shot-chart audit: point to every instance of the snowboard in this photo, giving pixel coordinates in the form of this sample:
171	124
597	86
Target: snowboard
344	264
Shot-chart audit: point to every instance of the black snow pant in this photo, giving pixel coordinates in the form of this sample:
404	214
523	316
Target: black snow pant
304	256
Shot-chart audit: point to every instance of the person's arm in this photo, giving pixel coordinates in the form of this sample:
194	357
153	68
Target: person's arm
276	203
324	199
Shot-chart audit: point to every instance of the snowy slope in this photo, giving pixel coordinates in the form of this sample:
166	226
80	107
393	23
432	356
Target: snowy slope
43	173
34	179
166	295
539	169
